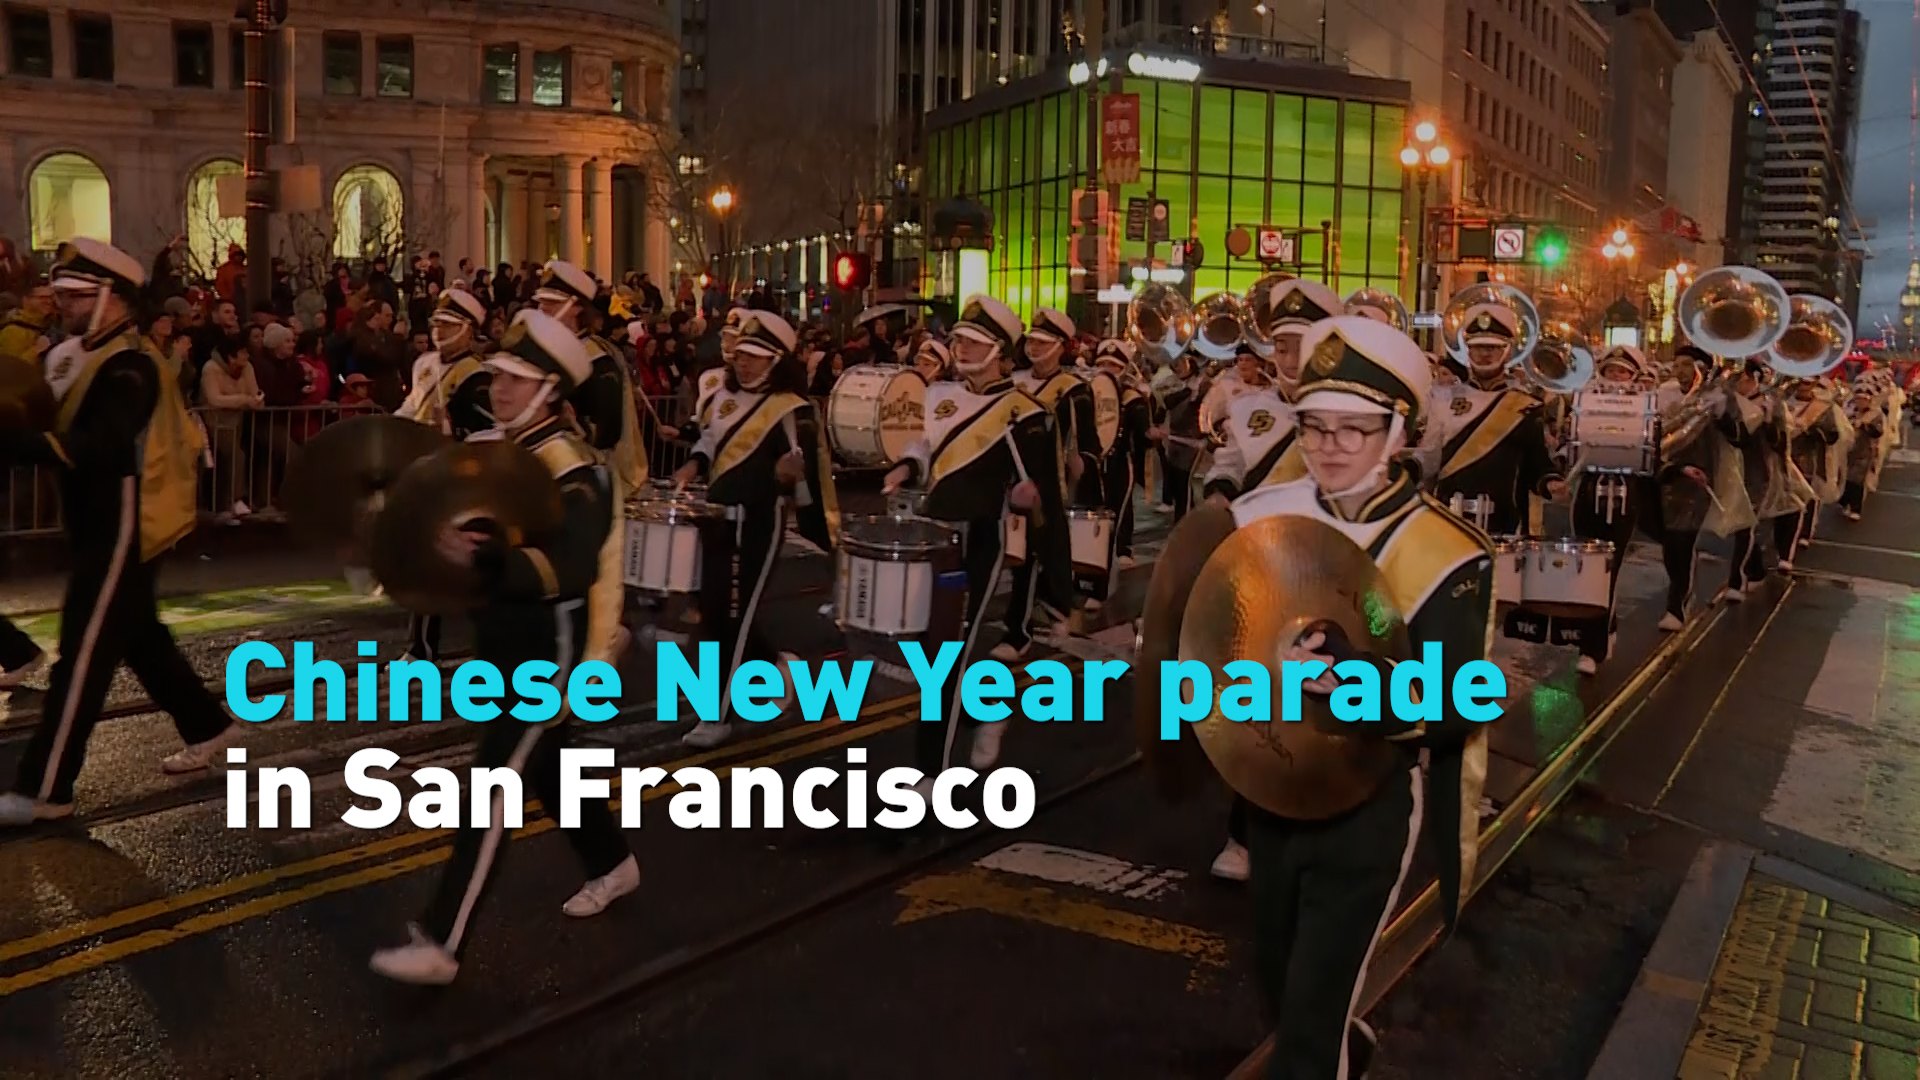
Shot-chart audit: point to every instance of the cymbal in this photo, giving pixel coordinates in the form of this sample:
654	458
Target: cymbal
341	478
498	487
1178	767
1257	592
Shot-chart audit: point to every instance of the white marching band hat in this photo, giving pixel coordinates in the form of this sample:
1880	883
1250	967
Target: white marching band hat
539	346
767	334
986	319
561	280
1053	324
87	265
458	305
1354	364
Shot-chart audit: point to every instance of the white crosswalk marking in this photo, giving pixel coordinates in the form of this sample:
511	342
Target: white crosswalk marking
1067	866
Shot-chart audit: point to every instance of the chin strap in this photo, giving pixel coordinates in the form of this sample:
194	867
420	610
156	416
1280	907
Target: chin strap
1376	477
531	412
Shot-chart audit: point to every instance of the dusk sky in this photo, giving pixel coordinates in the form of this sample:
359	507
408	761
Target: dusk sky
1881	164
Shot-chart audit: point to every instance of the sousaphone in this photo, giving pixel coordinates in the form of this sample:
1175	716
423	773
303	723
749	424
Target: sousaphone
1159	324
1735	312
1220	595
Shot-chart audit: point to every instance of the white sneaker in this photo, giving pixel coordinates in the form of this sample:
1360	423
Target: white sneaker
1007	654
25	671
1231	863
1092	606
1671	622
986	744
422	961
707	734
202	755
241	509
1785	566
595	895
1127	562
1163	508
18	811
1853	515
1587	665
1730	595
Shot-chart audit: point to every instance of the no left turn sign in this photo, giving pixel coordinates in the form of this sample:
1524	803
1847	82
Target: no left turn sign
1509	243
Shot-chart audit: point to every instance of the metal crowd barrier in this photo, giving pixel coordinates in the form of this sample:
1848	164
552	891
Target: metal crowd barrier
246	461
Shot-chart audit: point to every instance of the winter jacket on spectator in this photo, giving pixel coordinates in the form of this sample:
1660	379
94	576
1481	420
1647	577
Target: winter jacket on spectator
228	393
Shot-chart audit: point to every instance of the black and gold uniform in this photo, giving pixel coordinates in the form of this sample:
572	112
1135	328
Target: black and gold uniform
1178	391
1816	427
1325	890
449	394
126	453
1126	457
1068	401
1607	507
1494	437
604	411
987	447
534	608
762	446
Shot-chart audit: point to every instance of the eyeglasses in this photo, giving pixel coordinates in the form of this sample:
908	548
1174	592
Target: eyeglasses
1345	439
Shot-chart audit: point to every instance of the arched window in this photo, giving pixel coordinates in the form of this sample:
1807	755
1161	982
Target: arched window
368	213
208	234
68	196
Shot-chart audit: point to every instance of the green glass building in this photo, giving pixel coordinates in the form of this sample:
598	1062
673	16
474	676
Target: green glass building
1295	146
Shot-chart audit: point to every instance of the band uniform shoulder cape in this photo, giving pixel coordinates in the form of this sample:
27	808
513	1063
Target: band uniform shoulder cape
170	444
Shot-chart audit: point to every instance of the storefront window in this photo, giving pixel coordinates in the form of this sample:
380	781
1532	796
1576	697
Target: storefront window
1218	156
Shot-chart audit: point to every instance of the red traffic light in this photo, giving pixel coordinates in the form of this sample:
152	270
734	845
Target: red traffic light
852	270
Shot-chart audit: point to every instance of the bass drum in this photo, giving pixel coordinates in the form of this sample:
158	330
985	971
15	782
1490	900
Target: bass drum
875	412
1106	408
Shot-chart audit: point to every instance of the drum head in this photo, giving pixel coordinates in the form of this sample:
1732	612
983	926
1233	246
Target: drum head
902	412
894	537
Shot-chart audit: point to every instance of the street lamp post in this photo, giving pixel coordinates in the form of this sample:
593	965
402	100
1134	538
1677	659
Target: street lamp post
722	201
1424	156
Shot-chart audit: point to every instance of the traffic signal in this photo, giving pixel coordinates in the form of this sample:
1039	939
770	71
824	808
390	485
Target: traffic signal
852	270
1550	248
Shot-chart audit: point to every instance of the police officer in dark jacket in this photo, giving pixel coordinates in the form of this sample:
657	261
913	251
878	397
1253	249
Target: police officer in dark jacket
107	386
535	608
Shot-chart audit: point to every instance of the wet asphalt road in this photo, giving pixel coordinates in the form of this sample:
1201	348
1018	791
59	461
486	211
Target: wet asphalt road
149	940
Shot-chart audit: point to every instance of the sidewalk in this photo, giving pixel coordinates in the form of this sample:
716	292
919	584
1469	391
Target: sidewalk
1765	970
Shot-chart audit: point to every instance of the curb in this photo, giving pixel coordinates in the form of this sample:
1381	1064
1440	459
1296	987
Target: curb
1649	1036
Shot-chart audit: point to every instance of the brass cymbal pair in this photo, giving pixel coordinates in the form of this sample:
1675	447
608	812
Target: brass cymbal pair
1222	593
377	491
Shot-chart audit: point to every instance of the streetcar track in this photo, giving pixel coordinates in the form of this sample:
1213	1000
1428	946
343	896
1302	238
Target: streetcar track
657	973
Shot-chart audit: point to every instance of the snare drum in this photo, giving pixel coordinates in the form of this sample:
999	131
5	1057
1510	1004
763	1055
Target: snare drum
1509	569
663	540
875	412
1565	577
887	571
1091	532
1616	432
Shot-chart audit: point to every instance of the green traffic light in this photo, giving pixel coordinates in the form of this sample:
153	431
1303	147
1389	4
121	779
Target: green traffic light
1550	252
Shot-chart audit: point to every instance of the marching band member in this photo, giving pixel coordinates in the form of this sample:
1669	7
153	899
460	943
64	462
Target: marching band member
1494	438
1606	506
603	408
932	360
1178	390
1818	434
762	445
449	394
1259	435
1325	890
987	450
1762	437
1068	400
119	425
1870	427
535	609
1256	424
1129	448
1685	481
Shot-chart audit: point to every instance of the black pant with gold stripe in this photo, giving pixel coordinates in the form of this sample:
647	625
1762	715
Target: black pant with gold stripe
981	551
1323	894
737	558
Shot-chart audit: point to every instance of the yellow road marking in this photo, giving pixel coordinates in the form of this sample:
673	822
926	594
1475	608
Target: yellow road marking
1741	1009
348	856
147	941
976	889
